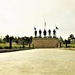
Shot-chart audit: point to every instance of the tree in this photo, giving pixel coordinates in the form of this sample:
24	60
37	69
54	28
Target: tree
61	39
28	40
1	40
71	36
6	39
15	39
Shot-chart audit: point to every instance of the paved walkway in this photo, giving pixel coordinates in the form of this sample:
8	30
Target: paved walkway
38	62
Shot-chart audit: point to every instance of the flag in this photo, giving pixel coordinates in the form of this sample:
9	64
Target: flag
44	25
34	28
56	27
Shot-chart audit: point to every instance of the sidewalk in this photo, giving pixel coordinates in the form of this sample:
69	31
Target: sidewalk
11	50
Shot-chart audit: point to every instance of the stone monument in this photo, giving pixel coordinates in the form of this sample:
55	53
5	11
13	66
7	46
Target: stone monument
45	42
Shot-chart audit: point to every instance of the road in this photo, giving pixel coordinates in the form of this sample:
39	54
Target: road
38	62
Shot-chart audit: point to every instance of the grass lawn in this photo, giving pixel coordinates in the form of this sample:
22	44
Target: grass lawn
6	46
69	45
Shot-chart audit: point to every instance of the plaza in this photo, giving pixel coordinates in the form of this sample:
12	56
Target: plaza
47	61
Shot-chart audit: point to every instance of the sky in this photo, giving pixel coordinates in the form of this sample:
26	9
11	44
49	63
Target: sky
19	17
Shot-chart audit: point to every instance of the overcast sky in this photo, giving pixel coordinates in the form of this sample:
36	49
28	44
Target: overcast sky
19	17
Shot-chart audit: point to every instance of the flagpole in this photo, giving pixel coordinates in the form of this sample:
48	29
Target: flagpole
56	28
44	25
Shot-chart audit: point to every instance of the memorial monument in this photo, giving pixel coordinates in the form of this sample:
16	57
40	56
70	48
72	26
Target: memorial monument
46	41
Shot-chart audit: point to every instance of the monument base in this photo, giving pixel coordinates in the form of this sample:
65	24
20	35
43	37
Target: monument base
45	42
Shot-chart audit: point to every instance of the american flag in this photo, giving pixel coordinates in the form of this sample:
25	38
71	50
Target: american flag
34	28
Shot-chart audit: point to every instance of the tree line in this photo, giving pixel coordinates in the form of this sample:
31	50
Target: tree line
70	39
26	40
16	40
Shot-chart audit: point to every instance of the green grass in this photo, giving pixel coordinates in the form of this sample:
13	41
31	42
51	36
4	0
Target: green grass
2	46
69	45
6	46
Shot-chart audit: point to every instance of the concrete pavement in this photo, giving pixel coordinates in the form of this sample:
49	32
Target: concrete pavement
38	62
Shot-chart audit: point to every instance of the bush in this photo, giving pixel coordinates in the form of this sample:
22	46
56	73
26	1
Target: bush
1	47
6	47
